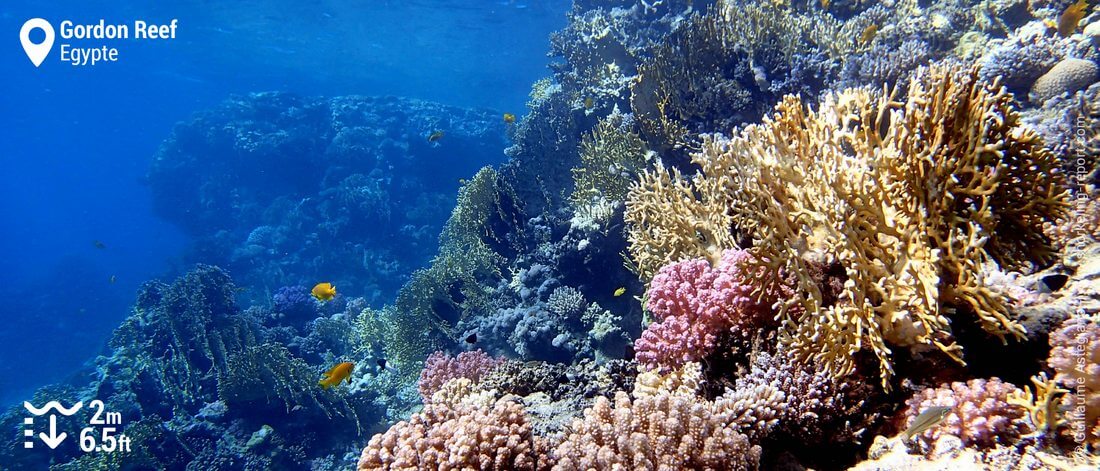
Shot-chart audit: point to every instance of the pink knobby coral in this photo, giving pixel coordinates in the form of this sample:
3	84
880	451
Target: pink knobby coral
980	413
440	368
663	431
466	435
695	304
1075	358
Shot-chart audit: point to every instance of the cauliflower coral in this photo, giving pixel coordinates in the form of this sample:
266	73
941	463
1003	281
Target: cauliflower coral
695	304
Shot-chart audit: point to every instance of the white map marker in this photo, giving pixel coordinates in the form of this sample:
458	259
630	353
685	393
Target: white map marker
36	52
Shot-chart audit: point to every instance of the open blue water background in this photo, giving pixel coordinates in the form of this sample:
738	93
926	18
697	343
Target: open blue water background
75	142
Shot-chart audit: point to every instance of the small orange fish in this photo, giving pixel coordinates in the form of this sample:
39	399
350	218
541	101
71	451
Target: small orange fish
337	374
435	136
324	291
1067	23
868	34
509	118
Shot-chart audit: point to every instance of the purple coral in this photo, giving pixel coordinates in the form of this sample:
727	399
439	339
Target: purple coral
440	368
980	413
817	407
294	301
1075	358
695	304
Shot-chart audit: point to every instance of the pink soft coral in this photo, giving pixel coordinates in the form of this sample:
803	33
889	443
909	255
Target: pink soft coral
695	304
440	368
981	415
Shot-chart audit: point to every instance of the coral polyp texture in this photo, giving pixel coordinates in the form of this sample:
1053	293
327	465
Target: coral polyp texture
1075	358
909	198
440	368
695	305
665	431
473	434
981	415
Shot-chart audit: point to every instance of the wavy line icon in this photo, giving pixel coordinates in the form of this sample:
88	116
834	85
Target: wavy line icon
52	405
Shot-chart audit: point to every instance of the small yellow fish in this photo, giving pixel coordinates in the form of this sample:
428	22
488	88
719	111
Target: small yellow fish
338	373
435	136
931	417
824	4
621	291
112	279
324	291
1067	23
868	34
589	103
509	118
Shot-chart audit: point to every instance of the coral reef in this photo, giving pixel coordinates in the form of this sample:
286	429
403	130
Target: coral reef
903	213
981	415
321	203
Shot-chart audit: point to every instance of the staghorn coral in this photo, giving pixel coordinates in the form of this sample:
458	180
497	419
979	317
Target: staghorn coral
666	431
440	368
695	305
467	435
981	415
909	207
1075	358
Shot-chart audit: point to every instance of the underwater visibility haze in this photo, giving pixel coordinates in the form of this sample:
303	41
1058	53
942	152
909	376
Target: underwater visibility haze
550	235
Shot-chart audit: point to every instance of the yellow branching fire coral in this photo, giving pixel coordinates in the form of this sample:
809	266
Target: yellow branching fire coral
909	197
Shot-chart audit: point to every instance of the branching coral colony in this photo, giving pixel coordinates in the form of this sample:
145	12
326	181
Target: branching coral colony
909	198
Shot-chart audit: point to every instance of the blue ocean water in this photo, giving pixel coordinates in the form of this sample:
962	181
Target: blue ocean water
77	231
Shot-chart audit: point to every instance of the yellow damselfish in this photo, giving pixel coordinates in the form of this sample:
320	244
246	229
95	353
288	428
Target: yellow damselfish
338	373
324	291
621	291
509	118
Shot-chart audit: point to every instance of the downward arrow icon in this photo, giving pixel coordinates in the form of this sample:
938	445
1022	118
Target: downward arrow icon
53	439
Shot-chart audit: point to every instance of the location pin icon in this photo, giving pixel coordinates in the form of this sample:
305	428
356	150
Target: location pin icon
36	52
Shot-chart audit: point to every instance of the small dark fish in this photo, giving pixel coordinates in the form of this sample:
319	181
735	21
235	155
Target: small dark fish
1054	282
381	363
435	136
931	417
112	279
99	244
472	338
